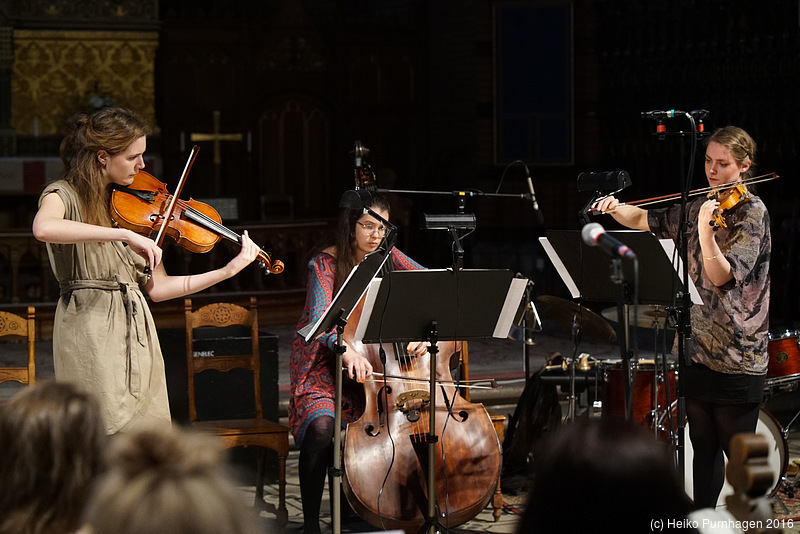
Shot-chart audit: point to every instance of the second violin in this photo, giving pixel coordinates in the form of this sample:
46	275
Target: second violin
194	225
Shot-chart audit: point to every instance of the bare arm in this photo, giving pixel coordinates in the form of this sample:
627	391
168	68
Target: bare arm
630	216
50	226
162	286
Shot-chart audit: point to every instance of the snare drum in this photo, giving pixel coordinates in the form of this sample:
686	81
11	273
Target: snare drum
784	358
644	387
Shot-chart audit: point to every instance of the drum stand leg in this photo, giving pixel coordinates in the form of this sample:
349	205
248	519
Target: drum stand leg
790	487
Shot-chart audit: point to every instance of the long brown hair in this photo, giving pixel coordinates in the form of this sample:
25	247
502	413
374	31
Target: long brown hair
345	240
52	437
110	129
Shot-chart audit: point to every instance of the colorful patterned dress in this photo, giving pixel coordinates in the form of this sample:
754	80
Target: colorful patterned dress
311	366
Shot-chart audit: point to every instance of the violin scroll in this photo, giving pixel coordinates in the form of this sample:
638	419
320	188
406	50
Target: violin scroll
268	264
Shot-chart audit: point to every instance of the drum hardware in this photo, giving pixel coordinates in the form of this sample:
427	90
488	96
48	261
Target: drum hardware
649	391
768	426
655	370
581	322
648	316
584	364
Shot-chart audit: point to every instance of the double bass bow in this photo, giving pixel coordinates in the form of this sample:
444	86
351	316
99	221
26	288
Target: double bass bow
146	206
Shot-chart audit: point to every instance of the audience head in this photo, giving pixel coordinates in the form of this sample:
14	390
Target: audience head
51	437
167	480
597	471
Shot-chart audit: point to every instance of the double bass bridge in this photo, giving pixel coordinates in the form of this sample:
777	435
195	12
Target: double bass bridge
412	402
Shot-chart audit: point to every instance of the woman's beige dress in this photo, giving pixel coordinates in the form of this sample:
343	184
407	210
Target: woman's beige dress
104	336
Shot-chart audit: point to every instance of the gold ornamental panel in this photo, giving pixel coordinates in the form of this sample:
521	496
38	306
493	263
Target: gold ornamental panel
58	74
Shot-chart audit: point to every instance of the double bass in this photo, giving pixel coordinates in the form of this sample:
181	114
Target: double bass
385	452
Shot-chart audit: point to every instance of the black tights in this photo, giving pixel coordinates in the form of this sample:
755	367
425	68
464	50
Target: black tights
711	427
316	455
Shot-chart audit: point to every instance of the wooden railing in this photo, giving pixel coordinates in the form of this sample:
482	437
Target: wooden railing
27	279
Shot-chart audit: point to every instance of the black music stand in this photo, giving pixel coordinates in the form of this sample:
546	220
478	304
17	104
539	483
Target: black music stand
335	316
590	275
439	305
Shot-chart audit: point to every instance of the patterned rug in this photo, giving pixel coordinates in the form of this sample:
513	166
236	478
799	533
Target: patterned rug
513	504
785	506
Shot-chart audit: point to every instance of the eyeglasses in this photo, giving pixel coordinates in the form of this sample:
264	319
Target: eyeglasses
370	228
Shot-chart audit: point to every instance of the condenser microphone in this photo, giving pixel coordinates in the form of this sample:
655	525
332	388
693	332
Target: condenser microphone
537	212
659	115
594	235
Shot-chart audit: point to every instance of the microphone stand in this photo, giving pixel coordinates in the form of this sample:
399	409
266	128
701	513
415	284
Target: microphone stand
684	327
460	195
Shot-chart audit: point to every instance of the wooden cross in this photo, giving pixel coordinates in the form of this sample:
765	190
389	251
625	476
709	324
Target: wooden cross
216	136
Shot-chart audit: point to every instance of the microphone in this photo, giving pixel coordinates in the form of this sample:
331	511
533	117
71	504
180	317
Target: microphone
594	235
658	115
604	181
536	210
356	199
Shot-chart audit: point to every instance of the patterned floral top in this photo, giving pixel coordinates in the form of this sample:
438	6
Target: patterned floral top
311	365
730	330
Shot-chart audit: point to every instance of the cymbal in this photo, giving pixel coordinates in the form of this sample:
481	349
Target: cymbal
648	315
562	312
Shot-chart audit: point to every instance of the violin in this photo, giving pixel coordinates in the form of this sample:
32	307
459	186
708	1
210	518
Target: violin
728	199
195	226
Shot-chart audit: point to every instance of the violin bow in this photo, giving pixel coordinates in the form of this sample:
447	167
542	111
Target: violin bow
178	188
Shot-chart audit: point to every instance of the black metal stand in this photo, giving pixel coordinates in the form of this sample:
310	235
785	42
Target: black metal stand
461	304
336	469
628	373
684	301
432	524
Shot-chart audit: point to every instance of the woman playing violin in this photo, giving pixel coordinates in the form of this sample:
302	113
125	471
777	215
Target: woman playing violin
724	384
104	336
311	406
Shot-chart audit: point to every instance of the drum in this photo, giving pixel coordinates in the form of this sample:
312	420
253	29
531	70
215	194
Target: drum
778	458
644	387
784	357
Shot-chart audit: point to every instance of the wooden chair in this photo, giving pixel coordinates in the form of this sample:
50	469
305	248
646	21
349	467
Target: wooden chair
14	325
256	432
499	422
